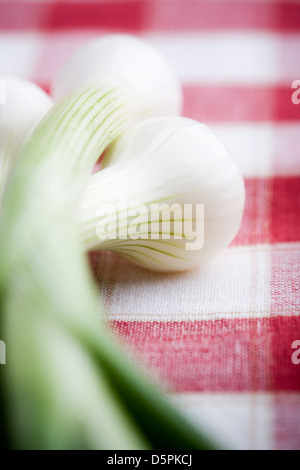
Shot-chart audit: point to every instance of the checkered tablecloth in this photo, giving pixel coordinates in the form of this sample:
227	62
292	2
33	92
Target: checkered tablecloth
218	339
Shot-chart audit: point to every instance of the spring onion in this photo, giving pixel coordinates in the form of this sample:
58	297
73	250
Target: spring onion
166	169
129	61
67	385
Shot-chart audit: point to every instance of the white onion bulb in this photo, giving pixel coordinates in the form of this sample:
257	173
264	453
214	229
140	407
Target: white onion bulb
166	160
130	63
24	105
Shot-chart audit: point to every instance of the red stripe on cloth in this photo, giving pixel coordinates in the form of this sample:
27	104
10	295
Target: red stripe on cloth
150	15
255	226
240	103
240	355
68	15
271	211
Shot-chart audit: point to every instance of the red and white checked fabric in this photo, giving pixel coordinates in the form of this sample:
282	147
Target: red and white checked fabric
218	339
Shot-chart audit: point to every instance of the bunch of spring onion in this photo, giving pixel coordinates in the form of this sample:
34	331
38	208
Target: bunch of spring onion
66	385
